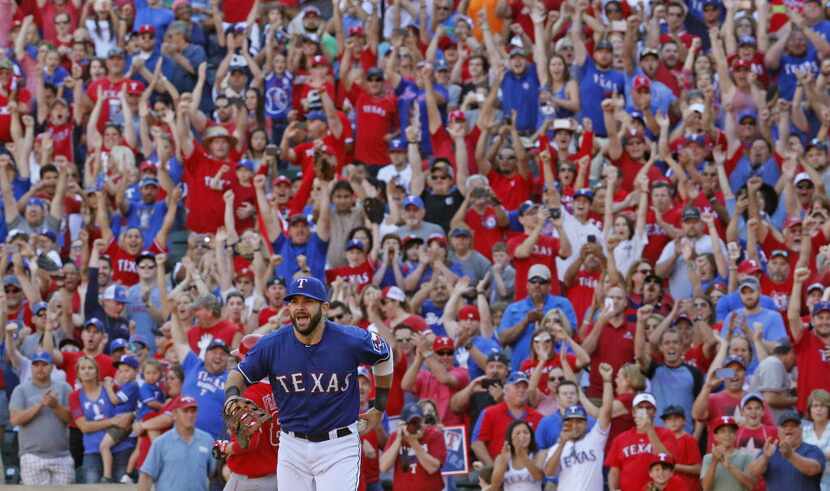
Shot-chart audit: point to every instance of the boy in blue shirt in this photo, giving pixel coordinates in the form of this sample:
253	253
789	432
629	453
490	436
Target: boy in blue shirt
125	400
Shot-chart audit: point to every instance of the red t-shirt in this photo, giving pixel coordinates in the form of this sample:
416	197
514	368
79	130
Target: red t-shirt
628	172
22	96
631	452
205	206
360	275
581	292
657	236
243	194
812	366
623	423
200	337
427	386
544	252
414	476
494	422
779	292
110	92
376	117
70	362
369	466
688	453
725	404
62	139
236	11
615	347
123	263
394	404
528	365
511	191
442	146
259	458
485	229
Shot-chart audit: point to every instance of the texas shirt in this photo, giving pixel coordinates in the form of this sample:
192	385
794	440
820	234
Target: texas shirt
545	252
205	205
580	464
631	453
315	386
377	116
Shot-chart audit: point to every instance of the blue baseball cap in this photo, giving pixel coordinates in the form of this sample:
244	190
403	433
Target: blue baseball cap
355	244
316	116
820	307
218	343
139	339
411	411
148	181
517	377
734	360
527	206
637	115
584	193
42	357
413	201
308	287
397	145
575	412
129	360
115	292
747	40
747	114
94	322
118	344
37	202
247	164
39	306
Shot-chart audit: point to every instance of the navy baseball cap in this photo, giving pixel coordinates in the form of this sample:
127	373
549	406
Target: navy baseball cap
413	201
789	416
118	344
747	41
139	339
308	287
575	412
39	307
218	343
673	410
42	357
734	359
410	412
316	116
517	377
526	206
397	145
145	255
460	232
129	360
584	193
374	72
94	322
498	356
820	307
247	164
355	244
148	181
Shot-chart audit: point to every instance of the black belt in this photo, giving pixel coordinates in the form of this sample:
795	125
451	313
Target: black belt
322	436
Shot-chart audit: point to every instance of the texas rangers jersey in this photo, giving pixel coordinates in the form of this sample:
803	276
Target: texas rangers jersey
315	385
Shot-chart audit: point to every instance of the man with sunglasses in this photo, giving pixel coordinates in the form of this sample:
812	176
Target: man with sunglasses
440	380
417	451
377	116
143	298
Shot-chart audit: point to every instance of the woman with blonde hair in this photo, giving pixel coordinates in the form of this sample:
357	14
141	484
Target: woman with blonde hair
815	429
551	342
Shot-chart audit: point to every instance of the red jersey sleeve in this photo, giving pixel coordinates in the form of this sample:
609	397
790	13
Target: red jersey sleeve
436	445
485	432
75	408
613	457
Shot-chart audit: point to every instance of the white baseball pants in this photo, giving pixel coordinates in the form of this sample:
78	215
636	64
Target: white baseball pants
332	465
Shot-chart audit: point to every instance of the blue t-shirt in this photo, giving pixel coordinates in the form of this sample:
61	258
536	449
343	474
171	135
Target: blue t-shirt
676	386
408	93
128	395
432	315
315	386
314	250
790	65
781	475
732	301
516	311
549	428
521	93
278	95
159	18
595	85
209	391
148	393
486	346
96	410
146	217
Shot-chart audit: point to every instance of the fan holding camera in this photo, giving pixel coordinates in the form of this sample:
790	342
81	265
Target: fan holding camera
417	451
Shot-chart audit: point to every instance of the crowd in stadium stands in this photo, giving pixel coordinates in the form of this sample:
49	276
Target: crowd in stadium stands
596	234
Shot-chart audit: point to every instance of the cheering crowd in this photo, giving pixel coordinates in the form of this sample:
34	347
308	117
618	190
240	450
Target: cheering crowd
596	234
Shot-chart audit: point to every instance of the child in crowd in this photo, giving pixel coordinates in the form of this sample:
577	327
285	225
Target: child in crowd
125	400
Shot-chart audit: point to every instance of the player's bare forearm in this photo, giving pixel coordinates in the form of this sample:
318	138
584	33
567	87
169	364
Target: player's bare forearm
235	384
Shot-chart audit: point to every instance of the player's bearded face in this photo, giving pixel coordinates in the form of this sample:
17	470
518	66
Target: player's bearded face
306	316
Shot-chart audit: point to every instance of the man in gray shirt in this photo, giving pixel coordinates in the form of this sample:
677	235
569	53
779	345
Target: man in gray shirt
413	217
473	263
772	378
40	408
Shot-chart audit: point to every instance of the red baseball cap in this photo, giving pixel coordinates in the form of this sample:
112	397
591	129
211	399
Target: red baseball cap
357	31
457	116
281	180
319	60
469	313
641	82
394	293
739	64
134	87
148	166
724	421
662	458
147	29
185	402
792	222
437	237
244	272
748	266
443	343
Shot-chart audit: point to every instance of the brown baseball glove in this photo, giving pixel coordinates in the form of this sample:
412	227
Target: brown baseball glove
243	418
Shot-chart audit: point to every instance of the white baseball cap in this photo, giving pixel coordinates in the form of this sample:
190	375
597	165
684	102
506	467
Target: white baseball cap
540	271
644	397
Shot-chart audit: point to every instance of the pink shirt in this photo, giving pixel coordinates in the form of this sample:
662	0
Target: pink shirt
428	387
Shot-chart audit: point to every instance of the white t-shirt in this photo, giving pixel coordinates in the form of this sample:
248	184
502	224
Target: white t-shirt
580	466
389	172
578	236
629	251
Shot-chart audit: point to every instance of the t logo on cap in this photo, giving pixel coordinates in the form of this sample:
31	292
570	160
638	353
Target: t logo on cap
301	282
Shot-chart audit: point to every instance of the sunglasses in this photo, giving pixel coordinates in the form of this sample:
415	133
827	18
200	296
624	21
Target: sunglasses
538	281
439	177
403	340
444	353
147	266
42	313
644	271
337	317
375	79
556	379
11	290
